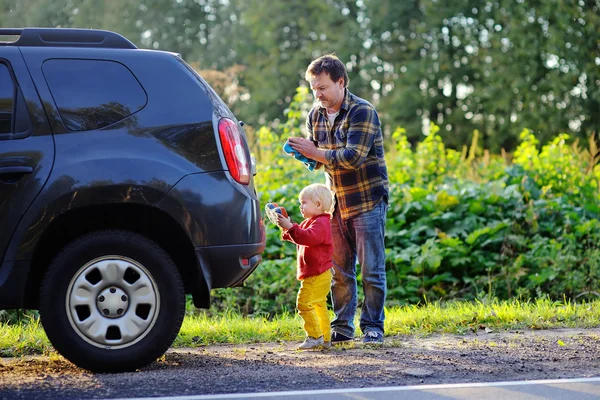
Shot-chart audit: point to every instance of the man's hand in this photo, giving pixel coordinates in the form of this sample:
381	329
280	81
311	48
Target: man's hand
308	149
302	146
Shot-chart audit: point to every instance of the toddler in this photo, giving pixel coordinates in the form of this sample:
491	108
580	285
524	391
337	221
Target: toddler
313	243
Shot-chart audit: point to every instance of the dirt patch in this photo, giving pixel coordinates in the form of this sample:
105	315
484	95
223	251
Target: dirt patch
485	357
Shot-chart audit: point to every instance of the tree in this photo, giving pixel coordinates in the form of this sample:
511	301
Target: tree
498	67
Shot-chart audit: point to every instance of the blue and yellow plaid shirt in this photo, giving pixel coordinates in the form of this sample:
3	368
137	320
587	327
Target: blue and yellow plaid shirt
355	168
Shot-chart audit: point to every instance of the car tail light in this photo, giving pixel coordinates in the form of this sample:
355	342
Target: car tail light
234	151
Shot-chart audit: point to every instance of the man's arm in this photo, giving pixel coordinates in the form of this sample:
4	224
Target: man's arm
364	125
304	145
307	148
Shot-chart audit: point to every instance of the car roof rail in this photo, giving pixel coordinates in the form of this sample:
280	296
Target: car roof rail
66	37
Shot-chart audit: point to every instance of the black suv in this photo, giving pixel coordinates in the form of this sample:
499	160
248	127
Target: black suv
125	184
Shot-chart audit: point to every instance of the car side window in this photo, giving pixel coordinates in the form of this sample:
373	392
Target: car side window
7	96
92	94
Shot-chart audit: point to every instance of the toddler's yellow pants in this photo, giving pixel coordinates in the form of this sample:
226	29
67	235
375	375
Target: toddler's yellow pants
312	305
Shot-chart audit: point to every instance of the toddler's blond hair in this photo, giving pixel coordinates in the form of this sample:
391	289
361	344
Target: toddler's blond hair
317	192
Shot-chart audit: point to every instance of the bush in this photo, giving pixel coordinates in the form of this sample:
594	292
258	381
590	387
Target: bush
461	225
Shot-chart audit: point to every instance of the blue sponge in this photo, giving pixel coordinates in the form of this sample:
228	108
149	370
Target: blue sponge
309	162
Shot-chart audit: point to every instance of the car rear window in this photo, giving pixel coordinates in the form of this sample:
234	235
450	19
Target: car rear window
92	94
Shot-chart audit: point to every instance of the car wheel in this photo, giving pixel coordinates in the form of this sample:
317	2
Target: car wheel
112	301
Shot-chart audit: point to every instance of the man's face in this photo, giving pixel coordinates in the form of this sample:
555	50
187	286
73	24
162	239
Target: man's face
328	93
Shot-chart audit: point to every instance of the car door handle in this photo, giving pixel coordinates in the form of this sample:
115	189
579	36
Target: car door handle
15	170
14	173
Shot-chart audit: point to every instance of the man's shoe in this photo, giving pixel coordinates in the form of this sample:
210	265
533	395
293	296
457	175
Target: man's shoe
373	338
311	343
338	338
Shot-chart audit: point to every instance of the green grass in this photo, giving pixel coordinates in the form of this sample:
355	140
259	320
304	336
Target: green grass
23	338
202	329
461	317
27	336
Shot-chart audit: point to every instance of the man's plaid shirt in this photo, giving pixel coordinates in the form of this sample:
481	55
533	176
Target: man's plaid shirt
355	168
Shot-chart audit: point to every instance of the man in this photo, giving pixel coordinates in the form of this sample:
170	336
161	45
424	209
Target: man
349	144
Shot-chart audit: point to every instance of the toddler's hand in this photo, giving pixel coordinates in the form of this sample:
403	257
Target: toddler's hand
283	222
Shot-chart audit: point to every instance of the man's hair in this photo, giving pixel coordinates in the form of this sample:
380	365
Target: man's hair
317	192
329	64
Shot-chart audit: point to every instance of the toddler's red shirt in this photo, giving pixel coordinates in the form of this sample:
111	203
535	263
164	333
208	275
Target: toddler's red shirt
313	243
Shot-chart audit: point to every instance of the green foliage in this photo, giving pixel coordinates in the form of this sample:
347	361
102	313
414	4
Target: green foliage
461	226
529	232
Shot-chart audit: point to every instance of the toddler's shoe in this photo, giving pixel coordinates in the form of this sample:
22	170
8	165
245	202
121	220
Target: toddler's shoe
311	343
308	162
272	210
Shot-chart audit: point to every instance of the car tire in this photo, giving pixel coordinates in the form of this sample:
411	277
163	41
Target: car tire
112	301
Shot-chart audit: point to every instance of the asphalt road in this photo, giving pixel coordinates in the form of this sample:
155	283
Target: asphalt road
563	389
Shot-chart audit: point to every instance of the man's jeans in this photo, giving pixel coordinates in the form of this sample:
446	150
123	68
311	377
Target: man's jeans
360	236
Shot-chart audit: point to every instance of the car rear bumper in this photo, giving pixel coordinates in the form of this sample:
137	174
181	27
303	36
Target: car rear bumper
227	266
214	211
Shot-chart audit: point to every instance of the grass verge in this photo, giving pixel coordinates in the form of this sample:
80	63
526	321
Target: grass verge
199	329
